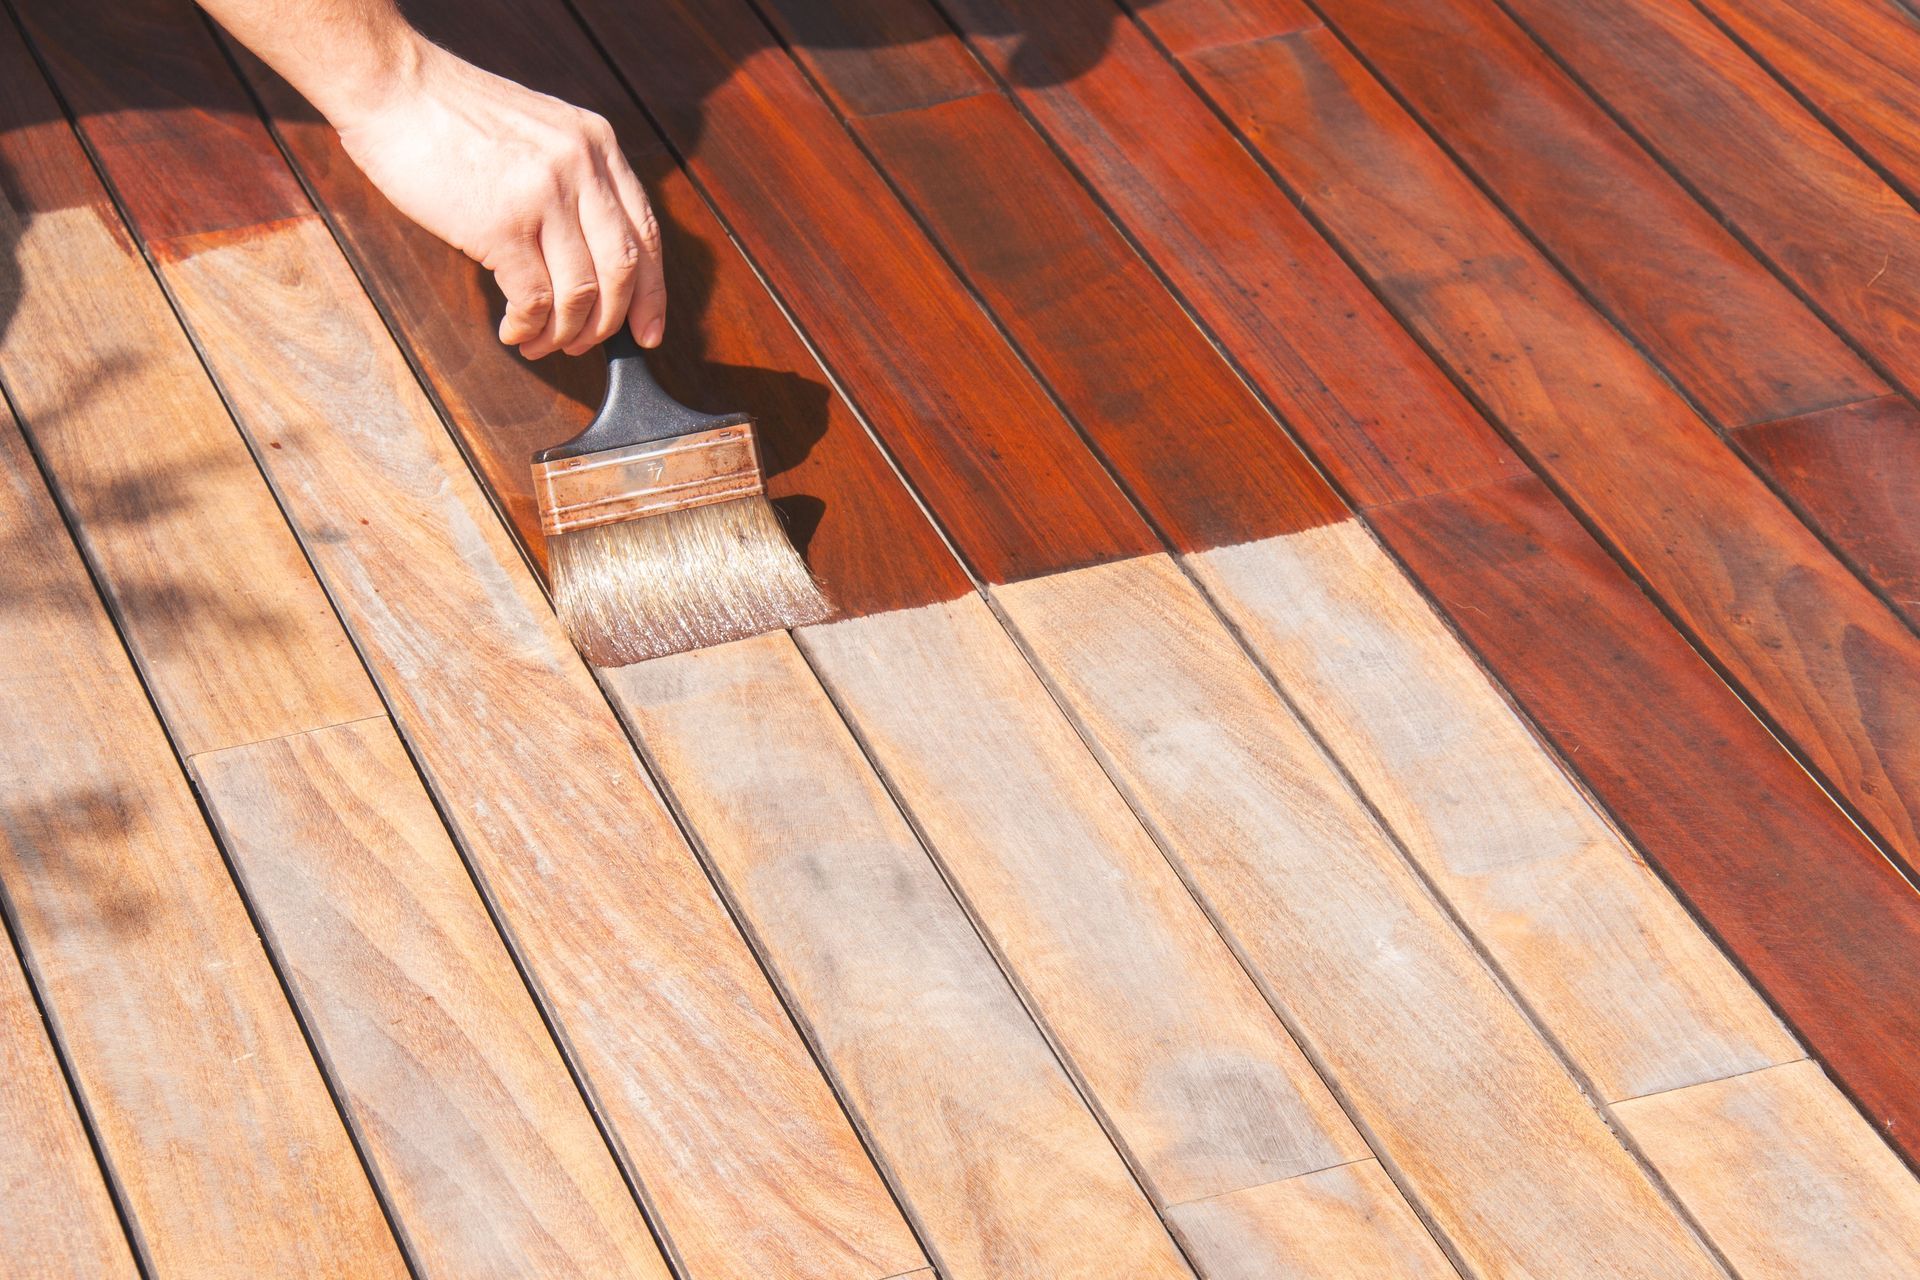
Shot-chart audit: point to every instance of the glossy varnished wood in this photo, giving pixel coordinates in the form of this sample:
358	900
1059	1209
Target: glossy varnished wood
1855	470
484	1147
976	1123
1806	639
1379	985
1778	1167
149	465
1174	1043
1812	911
212	1117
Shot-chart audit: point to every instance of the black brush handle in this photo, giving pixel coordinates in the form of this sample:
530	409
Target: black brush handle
635	409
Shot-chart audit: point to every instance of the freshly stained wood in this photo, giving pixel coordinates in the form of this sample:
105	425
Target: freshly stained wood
484	1147
1767	165
148	463
1856	471
1340	1223
56	1216
996	462
1799	634
1174	1043
995	1155
1785	1175
742	1154
1730	332
1187	26
213	1119
1597	946
1813	912
728	344
1380	988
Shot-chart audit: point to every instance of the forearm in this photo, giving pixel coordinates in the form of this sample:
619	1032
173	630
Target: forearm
346	57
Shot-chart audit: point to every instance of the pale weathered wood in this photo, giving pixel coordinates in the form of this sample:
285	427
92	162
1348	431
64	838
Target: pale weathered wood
998	1159
1604	954
1344	1223
487	1153
214	1120
1453	1086
745	1159
56	1217
1785	1175
1178	1048
211	591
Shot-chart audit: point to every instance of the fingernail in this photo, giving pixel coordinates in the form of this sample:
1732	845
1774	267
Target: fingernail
651	338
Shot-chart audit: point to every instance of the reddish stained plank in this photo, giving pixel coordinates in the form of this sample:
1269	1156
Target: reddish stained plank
1857	61
182	161
1203	456
1735	337
1806	904
996	461
1188	26
728	345
874	57
1856	471
1385	423
1811	645
1768	165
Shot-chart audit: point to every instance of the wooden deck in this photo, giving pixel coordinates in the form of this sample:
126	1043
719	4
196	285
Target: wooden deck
1374	727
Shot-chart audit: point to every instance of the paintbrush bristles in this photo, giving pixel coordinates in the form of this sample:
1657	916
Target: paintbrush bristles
662	584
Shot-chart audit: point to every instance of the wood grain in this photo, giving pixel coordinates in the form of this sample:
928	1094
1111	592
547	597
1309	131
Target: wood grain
995	1155
57	1219
1198	1079
1382	420
728	344
746	1162
1766	164
1188	26
148	463
1785	1175
1338	1224
1806	904
1597	946
1109	339
213	1119
1454	1088
875	57
1855	471
1802	636
1730	332
483	1145
996	462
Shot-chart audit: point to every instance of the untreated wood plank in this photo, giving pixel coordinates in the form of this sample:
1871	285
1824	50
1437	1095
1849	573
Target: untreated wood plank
149	464
1175	1045
57	1220
1768	166
995	1155
1811	909
1588	936
1348	1221
1380	987
483	1145
1785	1175
1804	638
214	1122
1856	471
728	344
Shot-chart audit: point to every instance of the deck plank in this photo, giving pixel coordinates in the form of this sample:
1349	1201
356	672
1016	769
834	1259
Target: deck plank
1382	990
1804	638
1785	1174
214	1121
994	1152
57	1220
1338	1223
1201	1083
484	1147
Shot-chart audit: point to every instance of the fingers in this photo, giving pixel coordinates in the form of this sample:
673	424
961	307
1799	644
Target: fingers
647	312
576	285
521	272
616	262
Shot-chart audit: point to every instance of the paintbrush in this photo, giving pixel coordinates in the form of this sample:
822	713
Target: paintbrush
660	536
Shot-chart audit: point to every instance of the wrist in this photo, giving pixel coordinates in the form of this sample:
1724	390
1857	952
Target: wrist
392	68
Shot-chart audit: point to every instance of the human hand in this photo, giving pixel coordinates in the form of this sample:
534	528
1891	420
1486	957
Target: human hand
533	189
